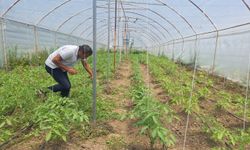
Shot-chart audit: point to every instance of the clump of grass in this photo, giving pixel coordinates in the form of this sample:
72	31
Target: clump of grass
116	142
14	59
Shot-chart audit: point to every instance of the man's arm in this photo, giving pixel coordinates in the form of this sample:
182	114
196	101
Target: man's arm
58	61
87	68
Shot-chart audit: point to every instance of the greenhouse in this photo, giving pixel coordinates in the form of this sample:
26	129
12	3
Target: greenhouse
124	74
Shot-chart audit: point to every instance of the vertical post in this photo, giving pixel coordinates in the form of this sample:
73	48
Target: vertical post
115	33
94	63
126	29
191	94
167	53
124	37
55	42
5	59
215	51
246	98
36	40
173	52
108	66
118	32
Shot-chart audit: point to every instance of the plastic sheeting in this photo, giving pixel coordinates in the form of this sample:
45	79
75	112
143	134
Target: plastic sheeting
216	32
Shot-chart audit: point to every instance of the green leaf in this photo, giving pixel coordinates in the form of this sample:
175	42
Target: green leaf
64	138
155	120
162	137
48	136
8	122
57	132
2	124
143	130
154	133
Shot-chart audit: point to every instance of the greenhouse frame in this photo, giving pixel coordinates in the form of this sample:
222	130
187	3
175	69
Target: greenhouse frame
175	73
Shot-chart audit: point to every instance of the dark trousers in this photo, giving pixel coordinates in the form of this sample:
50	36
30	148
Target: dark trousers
62	79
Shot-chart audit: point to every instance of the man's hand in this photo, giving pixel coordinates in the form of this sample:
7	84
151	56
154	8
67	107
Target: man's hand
72	71
87	68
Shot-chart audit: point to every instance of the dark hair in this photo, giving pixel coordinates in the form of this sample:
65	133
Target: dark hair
86	49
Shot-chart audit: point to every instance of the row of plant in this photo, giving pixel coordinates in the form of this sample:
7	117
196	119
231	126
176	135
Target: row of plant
151	115
22	109
16	57
205	86
178	84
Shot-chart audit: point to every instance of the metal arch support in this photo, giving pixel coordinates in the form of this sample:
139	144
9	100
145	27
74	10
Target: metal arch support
159	38
90	26
138	18
74	15
81	23
194	4
140	29
151	37
153	26
17	1
248	7
145	35
49	12
152	21
142	41
169	22
216	30
154	35
181	16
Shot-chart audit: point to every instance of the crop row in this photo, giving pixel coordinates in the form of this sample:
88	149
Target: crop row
22	109
177	82
151	115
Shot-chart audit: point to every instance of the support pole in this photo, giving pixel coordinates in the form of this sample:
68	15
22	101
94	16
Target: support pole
108	66
191	94
173	52
126	48
124	37
120	51
36	39
215	51
5	59
115	34
94	64
246	99
55	41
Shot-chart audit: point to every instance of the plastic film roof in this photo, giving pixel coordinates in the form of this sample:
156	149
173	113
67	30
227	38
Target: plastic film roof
149	22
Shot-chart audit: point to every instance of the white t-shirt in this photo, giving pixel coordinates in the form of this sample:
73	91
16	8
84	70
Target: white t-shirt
68	53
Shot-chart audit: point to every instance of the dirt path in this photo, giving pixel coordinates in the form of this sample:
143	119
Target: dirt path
123	135
196	139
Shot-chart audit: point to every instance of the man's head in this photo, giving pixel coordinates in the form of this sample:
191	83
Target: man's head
84	51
